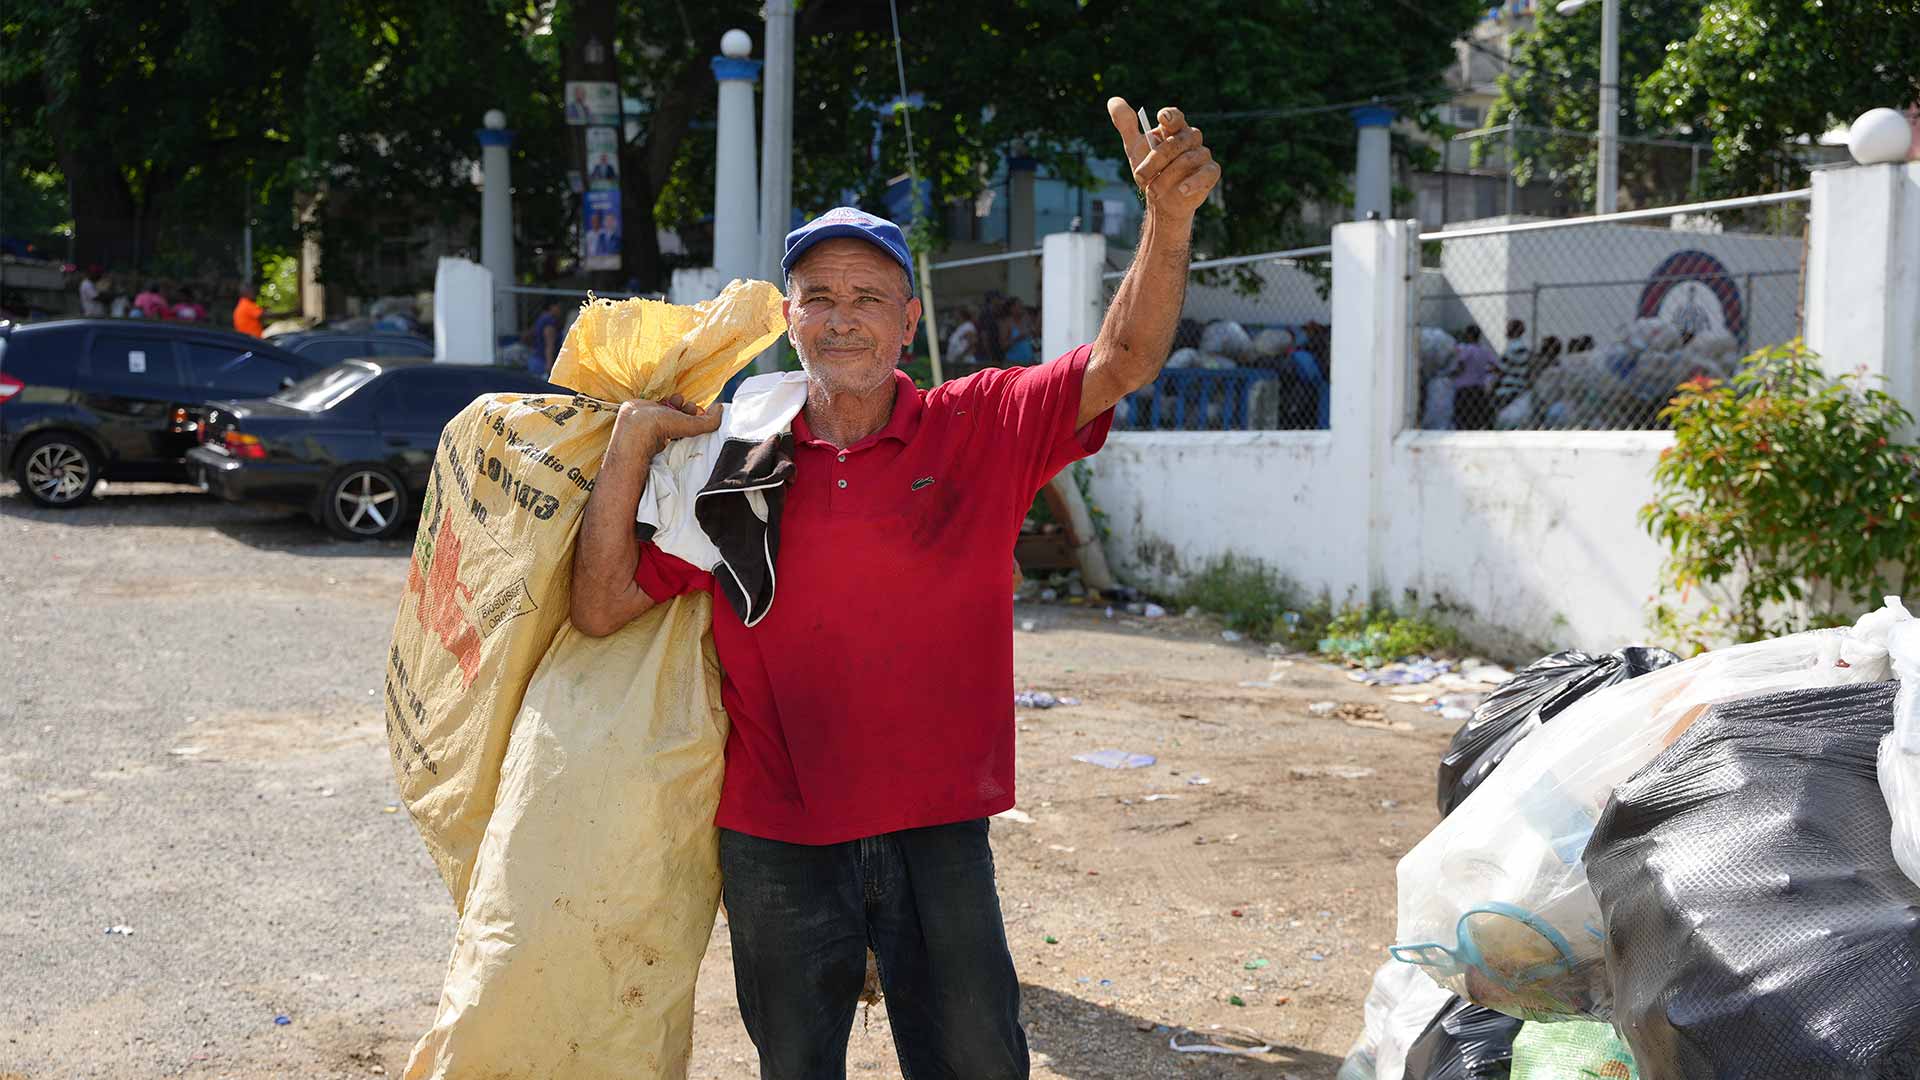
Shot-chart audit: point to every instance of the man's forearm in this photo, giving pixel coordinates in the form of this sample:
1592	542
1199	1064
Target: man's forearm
606	553
1137	333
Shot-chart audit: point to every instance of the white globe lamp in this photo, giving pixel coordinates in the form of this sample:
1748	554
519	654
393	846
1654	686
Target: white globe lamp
1879	136
736	44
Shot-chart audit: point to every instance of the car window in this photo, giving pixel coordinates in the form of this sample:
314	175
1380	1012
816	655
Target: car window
236	370
402	347
327	387
133	362
54	356
425	395
334	350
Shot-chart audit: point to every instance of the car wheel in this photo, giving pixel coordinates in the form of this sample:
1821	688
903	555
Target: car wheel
365	502
57	469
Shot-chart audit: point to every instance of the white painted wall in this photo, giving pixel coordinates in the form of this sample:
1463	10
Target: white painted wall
1528	540
1287	294
1590	279
462	312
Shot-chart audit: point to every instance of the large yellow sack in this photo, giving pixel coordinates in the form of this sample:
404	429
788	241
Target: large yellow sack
564	785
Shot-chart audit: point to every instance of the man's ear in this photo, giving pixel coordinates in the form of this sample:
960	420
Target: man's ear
913	321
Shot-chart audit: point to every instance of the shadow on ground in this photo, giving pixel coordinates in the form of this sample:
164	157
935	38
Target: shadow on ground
1086	1041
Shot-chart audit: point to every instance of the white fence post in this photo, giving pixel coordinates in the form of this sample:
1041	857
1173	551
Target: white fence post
1073	298
1375	264
1863	274
462	312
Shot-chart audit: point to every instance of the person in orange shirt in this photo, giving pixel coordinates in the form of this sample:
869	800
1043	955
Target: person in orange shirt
248	315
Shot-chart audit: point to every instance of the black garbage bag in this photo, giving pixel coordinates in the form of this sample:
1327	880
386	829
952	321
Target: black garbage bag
1757	925
1464	1042
1542	689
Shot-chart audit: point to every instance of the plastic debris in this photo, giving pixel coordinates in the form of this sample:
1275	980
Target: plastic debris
1323	708
1256	963
1199	781
1051	940
1335	772
1219	1041
283	1020
1040	699
1154	611
1015	815
1231	636
1028	624
121	931
1236	1000
1115	759
1157	798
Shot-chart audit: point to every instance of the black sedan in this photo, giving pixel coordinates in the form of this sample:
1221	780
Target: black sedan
333	346
352	445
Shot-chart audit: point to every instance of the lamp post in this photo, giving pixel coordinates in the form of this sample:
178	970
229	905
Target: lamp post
1607	175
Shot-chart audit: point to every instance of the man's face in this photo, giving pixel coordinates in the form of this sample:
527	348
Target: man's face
849	315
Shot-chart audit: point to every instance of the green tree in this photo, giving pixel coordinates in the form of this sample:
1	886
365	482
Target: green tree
1553	82
1750	80
1268	82
1758	76
145	111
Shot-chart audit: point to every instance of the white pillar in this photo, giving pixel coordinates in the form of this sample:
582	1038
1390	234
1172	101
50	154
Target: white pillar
1375	264
1072	292
736	204
1863	274
1021	277
463	298
776	139
1373	163
776	155
1607	175
496	215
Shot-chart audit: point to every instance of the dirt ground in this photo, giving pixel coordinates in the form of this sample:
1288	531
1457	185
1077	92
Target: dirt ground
270	879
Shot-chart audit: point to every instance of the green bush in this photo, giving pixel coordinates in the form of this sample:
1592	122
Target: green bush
1256	600
1785	502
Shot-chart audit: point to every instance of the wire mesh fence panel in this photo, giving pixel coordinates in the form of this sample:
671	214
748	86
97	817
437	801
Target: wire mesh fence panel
986	311
1592	325
1250	352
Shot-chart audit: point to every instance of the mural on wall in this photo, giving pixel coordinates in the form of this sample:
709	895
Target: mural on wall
1692	292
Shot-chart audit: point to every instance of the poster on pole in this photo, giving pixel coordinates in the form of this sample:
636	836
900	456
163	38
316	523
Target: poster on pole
600	230
593	103
603	159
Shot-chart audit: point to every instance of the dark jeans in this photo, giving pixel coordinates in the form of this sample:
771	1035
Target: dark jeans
802	918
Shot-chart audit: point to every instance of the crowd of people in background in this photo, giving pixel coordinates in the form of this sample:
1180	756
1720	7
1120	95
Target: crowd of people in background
1001	332
102	297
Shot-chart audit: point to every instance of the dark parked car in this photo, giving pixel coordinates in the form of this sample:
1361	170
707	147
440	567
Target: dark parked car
330	347
83	400
352	445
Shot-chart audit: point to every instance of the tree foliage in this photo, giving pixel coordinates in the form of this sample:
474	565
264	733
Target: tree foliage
359	115
1752	81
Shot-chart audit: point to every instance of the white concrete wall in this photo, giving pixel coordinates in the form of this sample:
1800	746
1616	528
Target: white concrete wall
1176	500
1591	278
1287	294
1526	541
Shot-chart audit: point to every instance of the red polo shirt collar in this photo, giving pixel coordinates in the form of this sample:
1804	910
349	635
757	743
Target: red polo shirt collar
901	426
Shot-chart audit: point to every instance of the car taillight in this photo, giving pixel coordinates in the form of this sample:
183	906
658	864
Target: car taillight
242	445
9	386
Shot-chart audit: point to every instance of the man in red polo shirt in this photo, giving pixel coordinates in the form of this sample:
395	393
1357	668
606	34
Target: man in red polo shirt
861	771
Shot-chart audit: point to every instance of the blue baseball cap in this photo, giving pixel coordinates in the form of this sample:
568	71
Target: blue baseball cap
856	224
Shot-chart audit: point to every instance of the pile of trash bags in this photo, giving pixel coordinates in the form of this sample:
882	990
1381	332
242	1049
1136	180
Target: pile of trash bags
1621	384
1658	868
1291	389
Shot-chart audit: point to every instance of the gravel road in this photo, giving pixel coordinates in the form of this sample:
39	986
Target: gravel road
196	760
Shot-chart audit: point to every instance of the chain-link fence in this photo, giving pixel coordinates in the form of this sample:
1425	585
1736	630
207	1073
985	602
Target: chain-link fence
1523	170
985	309
1591	324
1251	352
